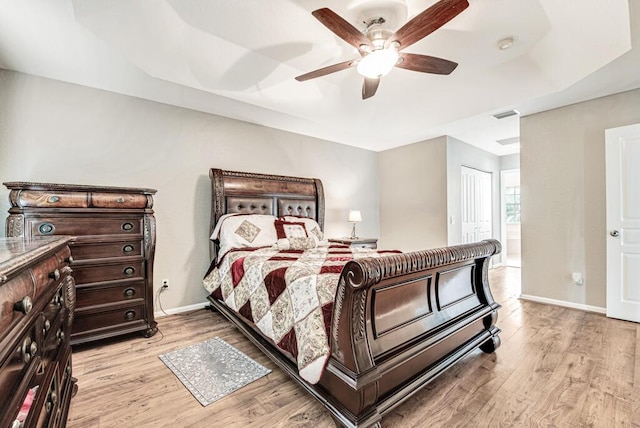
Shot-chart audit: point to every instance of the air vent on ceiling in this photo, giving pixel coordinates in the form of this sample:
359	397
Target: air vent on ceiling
508	113
509	141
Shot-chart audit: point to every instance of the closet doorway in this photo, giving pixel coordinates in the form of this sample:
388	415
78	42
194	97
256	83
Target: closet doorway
476	205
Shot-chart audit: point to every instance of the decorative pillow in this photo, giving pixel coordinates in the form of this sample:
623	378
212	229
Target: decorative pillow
244	230
296	243
289	229
312	226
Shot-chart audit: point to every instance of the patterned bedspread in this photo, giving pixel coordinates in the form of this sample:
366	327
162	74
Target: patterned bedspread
288	295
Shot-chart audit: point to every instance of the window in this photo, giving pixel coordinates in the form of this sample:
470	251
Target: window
512	204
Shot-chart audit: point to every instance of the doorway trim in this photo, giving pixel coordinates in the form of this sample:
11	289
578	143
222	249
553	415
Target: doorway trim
503	215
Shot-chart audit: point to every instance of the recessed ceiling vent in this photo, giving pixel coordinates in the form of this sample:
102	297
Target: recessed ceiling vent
508	113
509	141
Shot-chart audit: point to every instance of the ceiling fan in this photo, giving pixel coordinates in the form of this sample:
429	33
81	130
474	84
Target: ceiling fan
380	48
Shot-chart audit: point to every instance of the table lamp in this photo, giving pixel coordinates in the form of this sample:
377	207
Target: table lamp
354	217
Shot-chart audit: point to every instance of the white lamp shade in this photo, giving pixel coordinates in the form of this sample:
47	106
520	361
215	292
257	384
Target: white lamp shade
355	216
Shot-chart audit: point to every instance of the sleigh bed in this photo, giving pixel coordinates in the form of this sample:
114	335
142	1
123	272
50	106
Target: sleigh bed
396	322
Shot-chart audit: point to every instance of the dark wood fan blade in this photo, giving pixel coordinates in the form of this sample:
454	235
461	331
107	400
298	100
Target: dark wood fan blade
426	64
327	70
428	21
341	28
369	87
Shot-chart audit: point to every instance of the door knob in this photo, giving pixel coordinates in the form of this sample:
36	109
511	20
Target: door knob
614	233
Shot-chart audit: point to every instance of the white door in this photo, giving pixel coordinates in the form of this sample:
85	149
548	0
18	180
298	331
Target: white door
623	222
476	205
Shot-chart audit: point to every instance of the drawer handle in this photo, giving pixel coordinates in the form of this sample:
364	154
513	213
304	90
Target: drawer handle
46	228
25	305
129	270
54	199
29	348
57	300
129	292
60	336
69	260
127	249
127	227
55	275
129	315
51	401
120	200
47	325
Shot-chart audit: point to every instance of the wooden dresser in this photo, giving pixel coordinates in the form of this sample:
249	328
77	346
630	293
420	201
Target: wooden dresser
37	298
112	257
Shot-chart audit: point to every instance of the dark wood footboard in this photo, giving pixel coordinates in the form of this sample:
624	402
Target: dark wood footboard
401	320
398	322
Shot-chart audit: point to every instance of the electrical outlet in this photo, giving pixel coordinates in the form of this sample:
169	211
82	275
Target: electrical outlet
576	277
165	284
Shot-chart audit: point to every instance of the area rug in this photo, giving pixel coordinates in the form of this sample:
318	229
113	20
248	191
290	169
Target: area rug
212	369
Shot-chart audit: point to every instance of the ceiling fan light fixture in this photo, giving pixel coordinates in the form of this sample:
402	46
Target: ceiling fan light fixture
378	63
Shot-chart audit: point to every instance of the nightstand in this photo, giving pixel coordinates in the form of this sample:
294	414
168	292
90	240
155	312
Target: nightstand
357	242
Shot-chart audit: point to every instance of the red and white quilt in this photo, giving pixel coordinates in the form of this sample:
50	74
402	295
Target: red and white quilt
288	295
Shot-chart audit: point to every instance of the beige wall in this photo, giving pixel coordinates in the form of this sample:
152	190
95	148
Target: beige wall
562	175
56	132
413	196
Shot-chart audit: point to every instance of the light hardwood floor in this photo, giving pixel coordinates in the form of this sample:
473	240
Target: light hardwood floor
556	367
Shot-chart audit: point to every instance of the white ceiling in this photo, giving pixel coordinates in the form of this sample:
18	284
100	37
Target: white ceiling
239	59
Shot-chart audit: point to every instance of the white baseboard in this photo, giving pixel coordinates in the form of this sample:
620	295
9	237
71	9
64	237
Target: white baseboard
181	309
564	303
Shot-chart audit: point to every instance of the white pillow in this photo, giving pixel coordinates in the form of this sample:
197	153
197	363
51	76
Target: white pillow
296	243
312	226
244	230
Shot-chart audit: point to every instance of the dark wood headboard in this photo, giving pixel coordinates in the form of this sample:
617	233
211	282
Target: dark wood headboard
244	192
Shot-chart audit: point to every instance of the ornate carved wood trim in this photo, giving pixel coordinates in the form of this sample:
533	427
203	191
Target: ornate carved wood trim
15	225
69	289
320	202
367	271
76	187
267	176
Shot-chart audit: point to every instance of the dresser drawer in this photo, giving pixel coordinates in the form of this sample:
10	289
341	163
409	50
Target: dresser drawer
118	200
90	251
46	272
19	288
97	295
21	364
90	320
54	339
52	315
78	226
371	245
52	199
45	411
101	273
